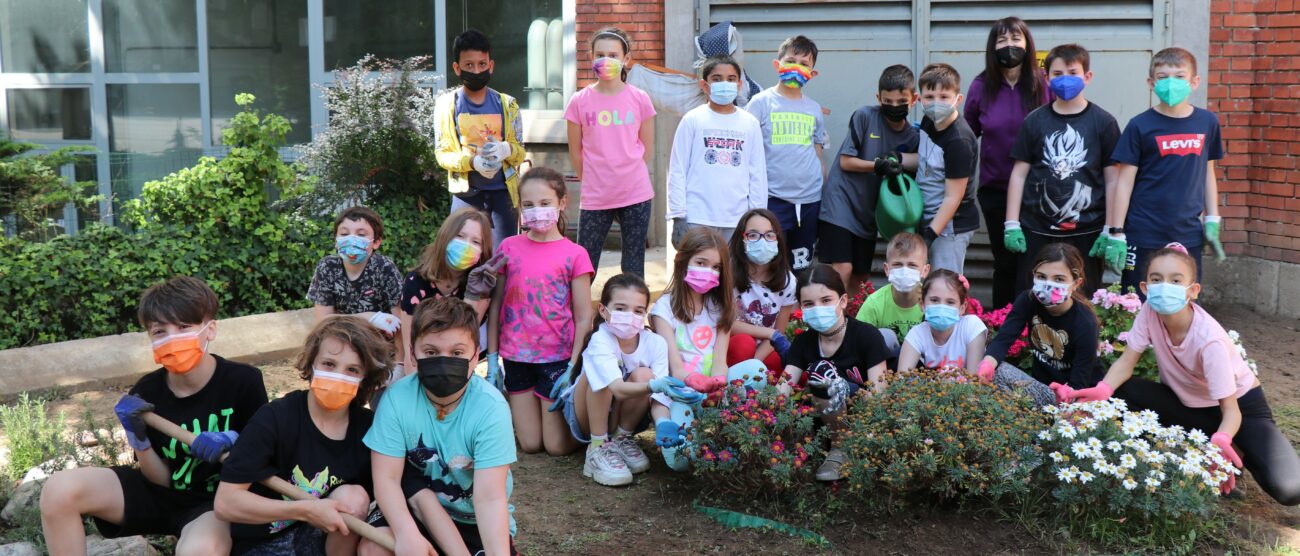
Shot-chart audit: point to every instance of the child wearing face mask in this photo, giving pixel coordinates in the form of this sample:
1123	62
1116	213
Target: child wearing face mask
1166	188
170	492
611	141
356	280
896	308
718	169
442	445
764	290
1205	384
540	314
949	337
697	311
312	439
1062	330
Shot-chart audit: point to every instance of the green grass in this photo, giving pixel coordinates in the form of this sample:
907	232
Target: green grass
1288	419
33	436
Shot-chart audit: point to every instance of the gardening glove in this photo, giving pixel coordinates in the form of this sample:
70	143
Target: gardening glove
888	165
1098	250
386	322
780	343
1101	391
928	233
495	151
494	375
129	412
560	384
210	445
486	168
483	278
1212	224
1013	237
676	389
668	434
704	384
1224	442
1117	253
825	382
1062	391
987	368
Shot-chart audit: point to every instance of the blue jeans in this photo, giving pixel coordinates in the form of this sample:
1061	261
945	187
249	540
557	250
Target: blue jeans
498	206
799	223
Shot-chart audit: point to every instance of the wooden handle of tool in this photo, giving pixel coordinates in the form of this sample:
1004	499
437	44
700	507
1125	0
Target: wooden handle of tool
280	486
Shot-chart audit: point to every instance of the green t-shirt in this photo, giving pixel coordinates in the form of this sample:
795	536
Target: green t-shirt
880	311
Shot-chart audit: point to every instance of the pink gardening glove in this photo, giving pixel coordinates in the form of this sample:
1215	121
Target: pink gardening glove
1224	442
985	373
1101	391
1063	392
701	383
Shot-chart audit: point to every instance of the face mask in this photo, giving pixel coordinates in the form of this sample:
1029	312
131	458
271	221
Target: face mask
904	279
353	249
941	317
462	254
180	353
333	390
475	81
937	111
1167	298
895	113
701	279
793	75
722	92
1010	56
821	318
625	325
1172	91
443	376
607	68
760	251
1066	87
1049	293
541	219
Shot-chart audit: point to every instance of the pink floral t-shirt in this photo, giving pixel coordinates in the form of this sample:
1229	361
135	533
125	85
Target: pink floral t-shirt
1204	368
537	306
614	172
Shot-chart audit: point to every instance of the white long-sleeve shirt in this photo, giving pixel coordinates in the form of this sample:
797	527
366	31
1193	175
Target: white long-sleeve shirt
717	170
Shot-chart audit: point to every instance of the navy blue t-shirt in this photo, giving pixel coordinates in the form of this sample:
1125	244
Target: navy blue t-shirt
479	124
1169	193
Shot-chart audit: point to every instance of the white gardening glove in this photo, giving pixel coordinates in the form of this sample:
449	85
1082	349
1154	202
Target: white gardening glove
486	168
496	151
386	322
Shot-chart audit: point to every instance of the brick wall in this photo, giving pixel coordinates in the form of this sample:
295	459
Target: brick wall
643	20
1254	86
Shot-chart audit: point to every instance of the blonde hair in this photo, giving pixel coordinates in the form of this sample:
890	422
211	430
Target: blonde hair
433	260
375	353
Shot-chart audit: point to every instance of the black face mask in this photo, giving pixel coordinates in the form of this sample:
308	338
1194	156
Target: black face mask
443	376
895	113
475	81
1010	56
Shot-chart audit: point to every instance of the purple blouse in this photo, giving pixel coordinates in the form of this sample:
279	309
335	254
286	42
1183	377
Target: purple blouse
996	122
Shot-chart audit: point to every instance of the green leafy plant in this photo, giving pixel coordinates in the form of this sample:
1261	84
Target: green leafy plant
32	189
1116	312
33	437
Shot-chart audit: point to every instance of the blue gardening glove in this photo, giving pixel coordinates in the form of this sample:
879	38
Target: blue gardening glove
564	381
210	445
129	410
494	375
1117	253
668	434
781	343
1013	237
1212	224
676	389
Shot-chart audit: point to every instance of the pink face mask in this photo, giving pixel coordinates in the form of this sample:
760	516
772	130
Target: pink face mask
625	325
541	219
701	279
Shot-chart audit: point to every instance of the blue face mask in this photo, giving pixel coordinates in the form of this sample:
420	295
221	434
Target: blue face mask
1066	87
760	251
821	318
941	317
353	249
722	92
1166	298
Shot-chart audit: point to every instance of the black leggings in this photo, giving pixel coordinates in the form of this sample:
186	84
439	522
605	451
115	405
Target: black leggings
633	221
1266	453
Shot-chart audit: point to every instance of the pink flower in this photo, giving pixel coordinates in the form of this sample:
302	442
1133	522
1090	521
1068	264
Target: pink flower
1098	297
1123	337
1130	302
778	447
1105	348
724	455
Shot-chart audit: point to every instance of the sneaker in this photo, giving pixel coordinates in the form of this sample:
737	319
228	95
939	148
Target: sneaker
606	467
830	469
635	459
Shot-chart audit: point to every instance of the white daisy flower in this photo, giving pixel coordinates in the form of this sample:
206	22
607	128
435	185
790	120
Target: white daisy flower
1129	483
1085	477
1056	457
1197	436
1127	461
1114	446
1045	435
1152	482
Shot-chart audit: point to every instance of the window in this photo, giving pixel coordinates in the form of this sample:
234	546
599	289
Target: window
154	130
509	25
150	36
40	115
388	29
46	36
259	47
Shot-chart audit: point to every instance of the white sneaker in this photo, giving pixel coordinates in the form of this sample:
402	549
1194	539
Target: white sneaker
636	460
830	469
606	467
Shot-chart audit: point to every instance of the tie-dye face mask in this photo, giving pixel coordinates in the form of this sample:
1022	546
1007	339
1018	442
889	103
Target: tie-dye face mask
794	75
462	254
607	68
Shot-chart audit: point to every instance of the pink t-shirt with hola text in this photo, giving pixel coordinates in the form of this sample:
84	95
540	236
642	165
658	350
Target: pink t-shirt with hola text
614	172
537	304
1204	368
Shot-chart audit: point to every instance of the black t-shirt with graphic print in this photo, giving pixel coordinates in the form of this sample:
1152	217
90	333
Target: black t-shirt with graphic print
863	348
376	289
226	403
1065	190
416	289
281	440
1064	348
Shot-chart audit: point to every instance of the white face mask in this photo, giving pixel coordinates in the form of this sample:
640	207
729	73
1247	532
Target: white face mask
904	279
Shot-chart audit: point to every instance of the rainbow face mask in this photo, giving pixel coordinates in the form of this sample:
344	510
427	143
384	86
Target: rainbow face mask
607	68
462	254
794	75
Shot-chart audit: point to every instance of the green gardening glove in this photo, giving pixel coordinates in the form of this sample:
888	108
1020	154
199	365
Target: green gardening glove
1098	250
1117	253
1212	224
1012	237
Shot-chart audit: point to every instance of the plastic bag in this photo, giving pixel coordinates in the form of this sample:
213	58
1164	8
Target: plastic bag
670	92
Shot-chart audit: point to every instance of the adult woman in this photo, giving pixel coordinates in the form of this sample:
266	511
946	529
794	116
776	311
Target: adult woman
1009	88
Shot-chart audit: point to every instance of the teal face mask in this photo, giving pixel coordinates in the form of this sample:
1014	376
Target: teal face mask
1172	91
1166	298
941	317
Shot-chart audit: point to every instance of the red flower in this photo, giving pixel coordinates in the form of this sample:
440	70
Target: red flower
778	447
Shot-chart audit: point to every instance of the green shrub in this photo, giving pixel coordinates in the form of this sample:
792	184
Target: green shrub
32	188
33	437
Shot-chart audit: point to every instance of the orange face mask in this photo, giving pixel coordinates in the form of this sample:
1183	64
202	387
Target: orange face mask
333	390
180	353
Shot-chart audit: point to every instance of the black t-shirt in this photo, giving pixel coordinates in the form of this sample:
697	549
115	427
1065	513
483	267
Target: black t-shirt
416	289
1065	191
281	440
863	348
960	158
849	198
376	289
1064	348
225	403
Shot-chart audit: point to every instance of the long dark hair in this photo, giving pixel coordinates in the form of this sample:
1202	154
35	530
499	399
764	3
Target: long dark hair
779	266
623	281
721	298
1073	259
1030	85
823	274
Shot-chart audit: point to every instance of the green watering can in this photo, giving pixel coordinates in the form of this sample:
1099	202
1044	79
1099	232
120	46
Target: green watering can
899	207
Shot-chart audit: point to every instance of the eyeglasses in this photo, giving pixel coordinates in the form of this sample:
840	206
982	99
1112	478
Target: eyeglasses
755	236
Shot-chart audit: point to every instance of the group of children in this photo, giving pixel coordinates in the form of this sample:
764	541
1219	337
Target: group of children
394	413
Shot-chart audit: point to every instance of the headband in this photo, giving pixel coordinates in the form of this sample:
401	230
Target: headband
608	34
1177	247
